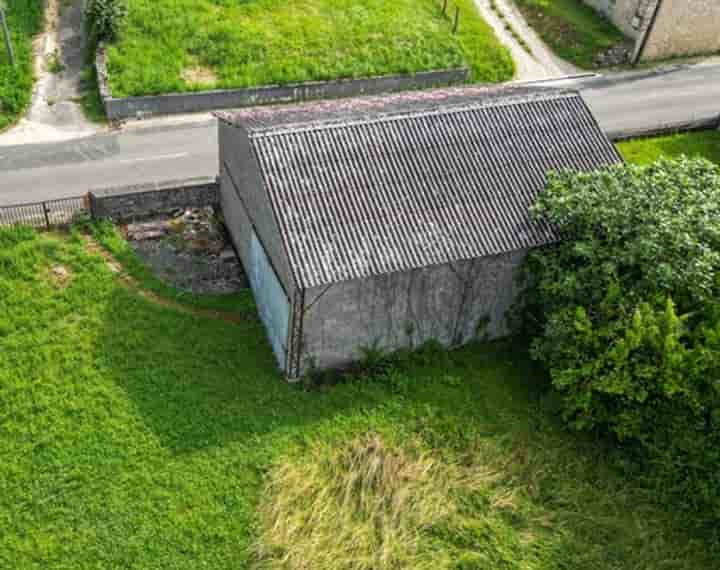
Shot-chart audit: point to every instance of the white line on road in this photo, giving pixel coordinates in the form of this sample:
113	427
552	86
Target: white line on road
158	157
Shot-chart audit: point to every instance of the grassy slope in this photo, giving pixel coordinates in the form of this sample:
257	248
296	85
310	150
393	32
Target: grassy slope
272	41
134	436
573	30
24	20
645	151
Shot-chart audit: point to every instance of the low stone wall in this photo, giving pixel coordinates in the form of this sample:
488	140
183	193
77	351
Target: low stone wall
133	107
125	203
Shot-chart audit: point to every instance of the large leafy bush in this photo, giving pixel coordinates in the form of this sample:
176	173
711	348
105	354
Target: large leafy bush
104	17
626	315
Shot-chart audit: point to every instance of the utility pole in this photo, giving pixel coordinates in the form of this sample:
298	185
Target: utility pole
6	33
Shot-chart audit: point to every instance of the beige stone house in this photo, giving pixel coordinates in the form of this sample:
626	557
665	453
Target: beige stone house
665	28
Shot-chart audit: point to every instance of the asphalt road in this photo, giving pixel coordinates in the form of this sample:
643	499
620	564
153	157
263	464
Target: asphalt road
633	101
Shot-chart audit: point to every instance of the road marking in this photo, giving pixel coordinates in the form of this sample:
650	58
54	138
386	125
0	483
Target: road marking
158	157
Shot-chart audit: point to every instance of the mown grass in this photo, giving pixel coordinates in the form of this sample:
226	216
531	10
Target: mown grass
24	19
133	435
572	29
184	45
705	144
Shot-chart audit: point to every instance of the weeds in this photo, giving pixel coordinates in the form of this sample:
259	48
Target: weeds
55	63
574	30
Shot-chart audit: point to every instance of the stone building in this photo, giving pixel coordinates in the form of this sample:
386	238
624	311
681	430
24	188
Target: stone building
665	28
391	221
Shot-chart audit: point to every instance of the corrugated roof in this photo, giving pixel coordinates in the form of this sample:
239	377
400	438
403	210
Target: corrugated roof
370	186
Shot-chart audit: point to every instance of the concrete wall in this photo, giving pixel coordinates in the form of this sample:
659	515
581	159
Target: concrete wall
622	13
273	305
245	203
132	202
131	107
452	303
683	28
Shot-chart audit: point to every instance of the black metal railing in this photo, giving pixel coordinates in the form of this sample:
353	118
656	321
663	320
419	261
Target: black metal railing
47	214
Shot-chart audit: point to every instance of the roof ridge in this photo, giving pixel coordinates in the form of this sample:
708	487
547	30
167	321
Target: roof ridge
398	115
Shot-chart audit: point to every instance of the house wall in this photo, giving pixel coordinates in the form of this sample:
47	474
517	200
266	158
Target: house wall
683	28
452	304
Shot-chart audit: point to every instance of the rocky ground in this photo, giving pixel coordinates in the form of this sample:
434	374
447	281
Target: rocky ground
189	250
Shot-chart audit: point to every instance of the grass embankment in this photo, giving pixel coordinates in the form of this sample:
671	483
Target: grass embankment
25	19
705	144
184	45
134	435
573	30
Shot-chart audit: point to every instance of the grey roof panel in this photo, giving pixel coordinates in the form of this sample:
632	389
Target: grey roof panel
377	185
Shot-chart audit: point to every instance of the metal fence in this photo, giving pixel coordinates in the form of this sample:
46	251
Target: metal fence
48	214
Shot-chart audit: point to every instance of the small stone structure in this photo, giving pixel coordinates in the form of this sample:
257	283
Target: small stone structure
665	28
189	250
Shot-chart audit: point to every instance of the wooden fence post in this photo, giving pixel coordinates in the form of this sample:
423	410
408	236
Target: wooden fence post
47	217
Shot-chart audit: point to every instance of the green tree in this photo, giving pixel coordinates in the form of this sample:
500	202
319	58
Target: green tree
625	313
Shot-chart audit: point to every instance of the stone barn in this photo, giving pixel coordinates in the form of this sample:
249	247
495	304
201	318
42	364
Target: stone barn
392	221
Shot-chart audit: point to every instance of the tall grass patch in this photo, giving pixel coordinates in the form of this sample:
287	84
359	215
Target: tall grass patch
265	42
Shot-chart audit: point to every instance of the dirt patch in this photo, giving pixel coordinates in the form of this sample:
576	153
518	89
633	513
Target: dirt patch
189	251
131	283
199	75
59	275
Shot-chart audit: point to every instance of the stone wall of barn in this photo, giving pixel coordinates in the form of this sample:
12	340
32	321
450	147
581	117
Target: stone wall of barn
452	304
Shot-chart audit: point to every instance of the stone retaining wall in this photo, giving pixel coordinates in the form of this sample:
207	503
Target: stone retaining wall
141	201
138	107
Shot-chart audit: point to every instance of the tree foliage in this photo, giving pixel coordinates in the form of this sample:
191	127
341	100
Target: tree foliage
626	314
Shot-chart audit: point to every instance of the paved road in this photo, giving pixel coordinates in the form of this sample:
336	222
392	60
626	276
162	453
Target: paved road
637	100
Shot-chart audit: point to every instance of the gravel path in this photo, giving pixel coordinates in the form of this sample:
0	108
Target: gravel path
536	60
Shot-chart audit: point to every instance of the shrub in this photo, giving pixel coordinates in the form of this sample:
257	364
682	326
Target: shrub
626	314
104	17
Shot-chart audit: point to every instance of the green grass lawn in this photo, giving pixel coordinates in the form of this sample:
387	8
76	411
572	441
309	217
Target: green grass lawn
24	20
136	436
573	30
644	151
183	45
